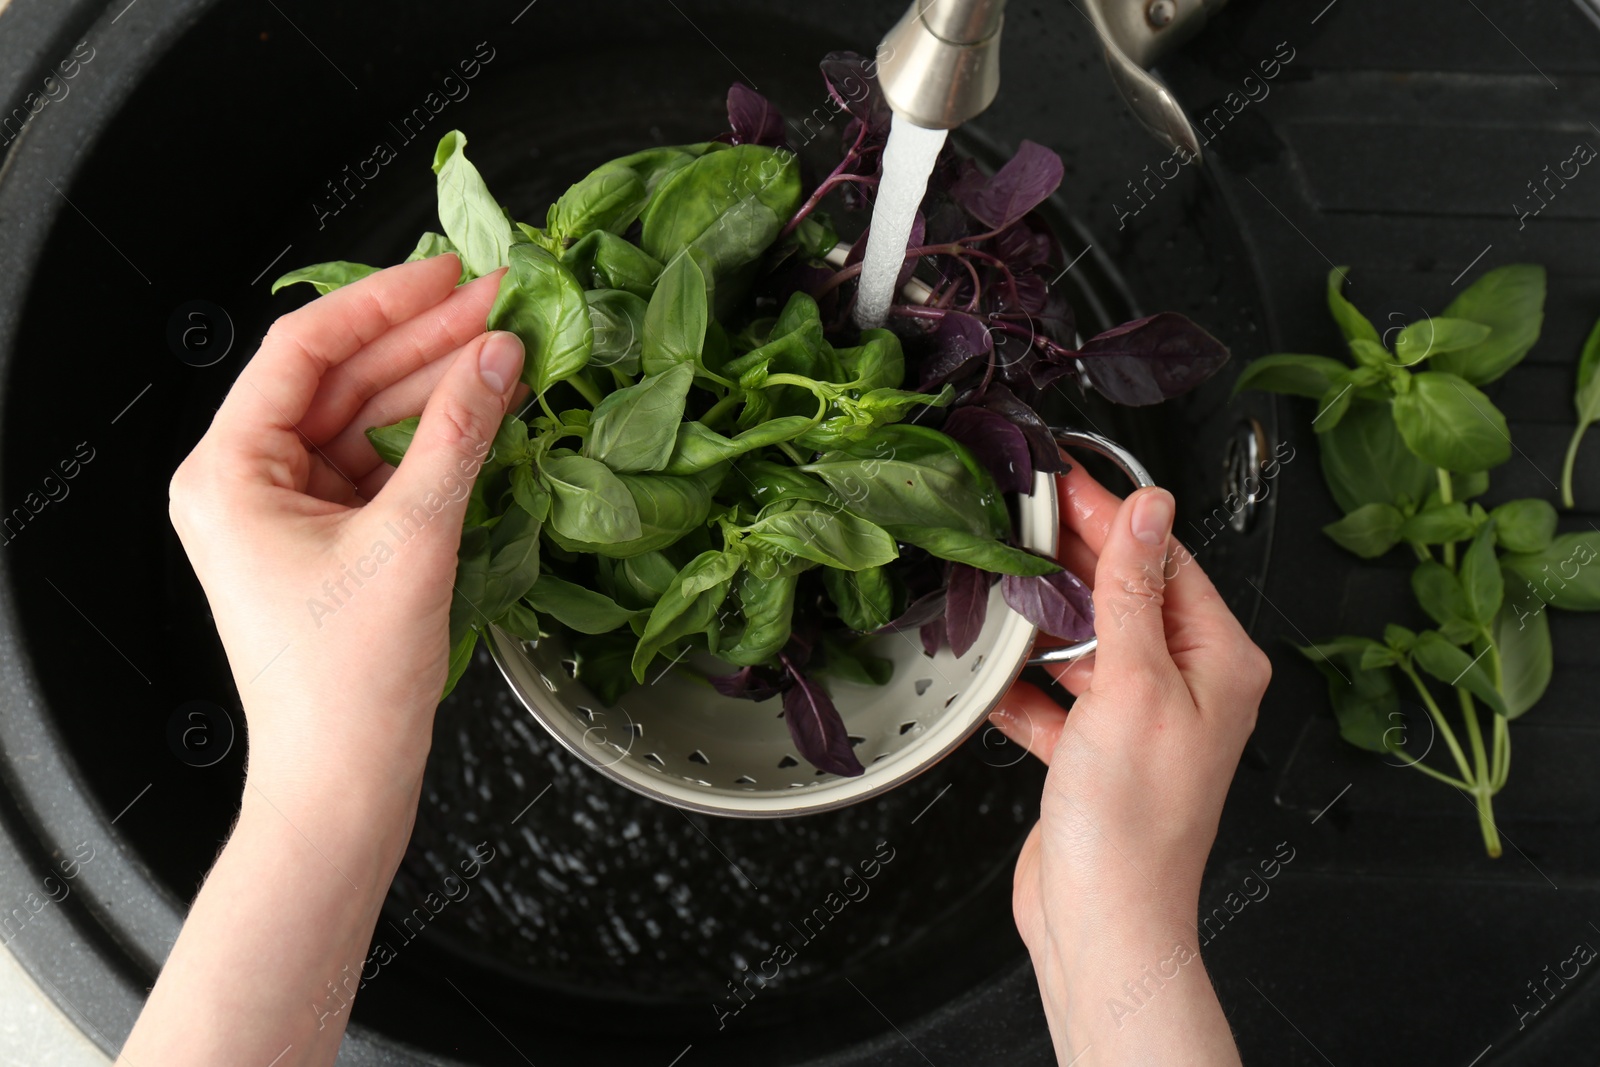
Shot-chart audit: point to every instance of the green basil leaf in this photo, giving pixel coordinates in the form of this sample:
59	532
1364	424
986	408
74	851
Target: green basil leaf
472	219
1434	336
815	236
1563	575
646	576
717	572
432	244
1508	300
472	574
1398	637
391	442
905	475
1369	531
698	448
1467	486
1365	702
604	669
985	553
864	598
677	615
1365	461
520	621
855	665
1293	375
1525	525
1439	524
1454	666
1376	657
541	302
589	502
1587	400
668	507
1448	423
326	277
767	604
618	320
826	535
602	260
655	165
675	319
1481	582
577	608
1352	323
878	362
609	198
460	660
727	206
1372	359
528	493
636	428
764	482
1439	592
1522	641
513	562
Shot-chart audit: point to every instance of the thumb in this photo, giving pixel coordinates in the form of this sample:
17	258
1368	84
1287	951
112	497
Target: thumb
1129	583
457	428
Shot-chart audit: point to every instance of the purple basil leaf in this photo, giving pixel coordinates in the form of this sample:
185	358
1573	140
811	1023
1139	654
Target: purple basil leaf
1041	442
1014	362
918	613
966	606
1030	294
998	444
1058	604
1151	359
958	341
1015	189
1057	320
753	118
1023	247
815	727
1051	368
933	636
854	86
749	683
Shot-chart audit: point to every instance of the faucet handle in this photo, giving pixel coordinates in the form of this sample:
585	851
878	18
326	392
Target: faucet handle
1136	35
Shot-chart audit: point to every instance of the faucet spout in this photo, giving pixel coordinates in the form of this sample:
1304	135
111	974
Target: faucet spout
940	65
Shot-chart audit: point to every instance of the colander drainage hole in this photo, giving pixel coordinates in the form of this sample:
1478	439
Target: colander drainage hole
655	760
977	663
907	727
923	684
587	713
854	740
744	779
952	700
786	762
571	667
699	757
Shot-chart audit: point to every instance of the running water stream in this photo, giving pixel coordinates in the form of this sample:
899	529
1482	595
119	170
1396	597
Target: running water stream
908	159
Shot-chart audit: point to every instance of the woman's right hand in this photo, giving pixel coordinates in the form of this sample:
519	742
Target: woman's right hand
1107	886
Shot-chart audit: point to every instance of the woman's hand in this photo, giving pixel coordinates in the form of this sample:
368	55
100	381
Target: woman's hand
329	579
1107	886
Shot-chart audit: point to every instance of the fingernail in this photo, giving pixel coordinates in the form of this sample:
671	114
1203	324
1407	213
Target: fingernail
500	360
1152	517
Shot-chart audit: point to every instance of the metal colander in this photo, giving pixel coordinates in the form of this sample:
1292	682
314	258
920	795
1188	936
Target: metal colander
679	741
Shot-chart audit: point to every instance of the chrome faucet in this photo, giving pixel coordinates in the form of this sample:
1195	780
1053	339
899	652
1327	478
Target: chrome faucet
940	65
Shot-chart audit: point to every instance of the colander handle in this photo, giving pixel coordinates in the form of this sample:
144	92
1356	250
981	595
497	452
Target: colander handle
1129	465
